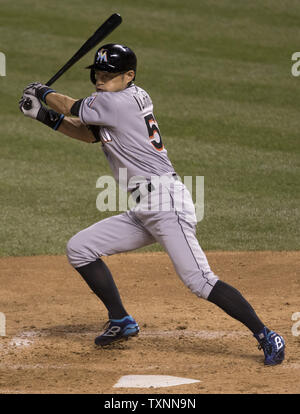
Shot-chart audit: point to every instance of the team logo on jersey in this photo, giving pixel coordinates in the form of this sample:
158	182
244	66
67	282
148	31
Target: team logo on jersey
90	100
102	56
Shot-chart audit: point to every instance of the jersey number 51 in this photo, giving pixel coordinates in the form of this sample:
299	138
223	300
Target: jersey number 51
154	134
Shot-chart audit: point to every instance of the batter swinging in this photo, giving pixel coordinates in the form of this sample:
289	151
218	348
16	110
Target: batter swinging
120	116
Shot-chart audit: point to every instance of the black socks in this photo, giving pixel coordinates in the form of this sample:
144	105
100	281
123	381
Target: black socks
232	302
100	280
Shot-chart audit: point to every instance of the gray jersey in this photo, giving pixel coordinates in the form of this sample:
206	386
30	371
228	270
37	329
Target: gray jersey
128	131
131	139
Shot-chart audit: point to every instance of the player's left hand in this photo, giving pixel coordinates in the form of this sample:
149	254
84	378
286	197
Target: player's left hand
39	90
40	112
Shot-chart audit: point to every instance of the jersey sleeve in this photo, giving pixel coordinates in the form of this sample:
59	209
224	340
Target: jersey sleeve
99	109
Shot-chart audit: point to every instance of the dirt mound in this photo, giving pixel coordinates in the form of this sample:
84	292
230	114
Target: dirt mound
52	319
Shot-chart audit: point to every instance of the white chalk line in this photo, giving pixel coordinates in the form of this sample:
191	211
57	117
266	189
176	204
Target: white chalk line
195	334
291	365
25	339
18	367
175	333
28	338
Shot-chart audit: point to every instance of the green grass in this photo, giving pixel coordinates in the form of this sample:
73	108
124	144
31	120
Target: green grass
219	73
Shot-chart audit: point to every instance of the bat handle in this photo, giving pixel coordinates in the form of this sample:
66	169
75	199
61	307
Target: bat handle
27	104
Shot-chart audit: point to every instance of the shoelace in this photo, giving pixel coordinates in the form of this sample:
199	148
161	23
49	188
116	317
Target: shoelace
106	325
265	345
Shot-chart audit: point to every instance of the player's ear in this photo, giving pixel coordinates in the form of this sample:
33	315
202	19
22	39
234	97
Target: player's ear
131	75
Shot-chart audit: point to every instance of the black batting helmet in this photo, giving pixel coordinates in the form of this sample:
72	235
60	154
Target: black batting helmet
113	58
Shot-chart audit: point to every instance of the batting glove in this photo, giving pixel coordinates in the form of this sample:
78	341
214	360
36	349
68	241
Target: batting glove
39	90
39	112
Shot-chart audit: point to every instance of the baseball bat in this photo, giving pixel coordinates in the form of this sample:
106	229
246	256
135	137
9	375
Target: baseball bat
101	33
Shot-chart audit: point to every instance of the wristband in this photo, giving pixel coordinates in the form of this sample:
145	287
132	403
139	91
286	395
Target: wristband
42	92
50	118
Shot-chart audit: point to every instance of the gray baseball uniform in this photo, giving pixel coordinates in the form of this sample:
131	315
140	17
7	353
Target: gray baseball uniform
131	139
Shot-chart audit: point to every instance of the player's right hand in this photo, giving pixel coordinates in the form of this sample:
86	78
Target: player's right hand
36	105
39	90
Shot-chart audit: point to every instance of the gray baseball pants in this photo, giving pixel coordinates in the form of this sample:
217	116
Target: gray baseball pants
165	215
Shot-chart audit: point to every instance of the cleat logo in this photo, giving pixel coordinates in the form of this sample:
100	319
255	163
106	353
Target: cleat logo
113	331
279	342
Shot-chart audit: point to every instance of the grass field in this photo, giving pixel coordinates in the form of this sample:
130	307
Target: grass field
219	73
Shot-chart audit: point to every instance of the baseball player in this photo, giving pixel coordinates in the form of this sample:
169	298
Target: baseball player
119	116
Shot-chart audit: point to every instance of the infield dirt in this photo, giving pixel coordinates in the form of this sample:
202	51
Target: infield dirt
52	319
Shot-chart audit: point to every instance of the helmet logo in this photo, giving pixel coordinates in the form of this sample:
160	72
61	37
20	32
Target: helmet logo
102	56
